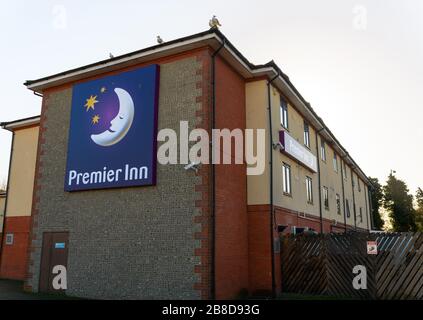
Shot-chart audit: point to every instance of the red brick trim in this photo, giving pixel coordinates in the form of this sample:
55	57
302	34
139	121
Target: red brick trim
203	215
15	257
302	215
33	235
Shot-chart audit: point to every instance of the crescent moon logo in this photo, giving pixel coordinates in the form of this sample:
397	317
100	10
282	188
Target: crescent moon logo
121	124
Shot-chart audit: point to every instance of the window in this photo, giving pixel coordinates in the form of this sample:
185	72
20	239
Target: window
347	205
361	214
335	162
323	150
326	197
9	238
306	135
345	171
284	113
309	188
338	204
286	177
358	184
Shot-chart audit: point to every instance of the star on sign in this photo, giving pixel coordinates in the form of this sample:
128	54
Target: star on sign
90	102
95	119
103	89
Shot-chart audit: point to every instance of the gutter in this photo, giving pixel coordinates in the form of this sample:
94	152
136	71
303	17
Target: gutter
16	124
272	214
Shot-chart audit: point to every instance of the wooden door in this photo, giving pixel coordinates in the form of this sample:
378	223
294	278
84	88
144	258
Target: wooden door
54	253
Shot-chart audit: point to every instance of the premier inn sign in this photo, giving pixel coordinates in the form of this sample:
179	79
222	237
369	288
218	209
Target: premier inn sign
297	151
112	136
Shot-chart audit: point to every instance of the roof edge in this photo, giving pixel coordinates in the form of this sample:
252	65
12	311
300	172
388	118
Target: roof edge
20	123
209	34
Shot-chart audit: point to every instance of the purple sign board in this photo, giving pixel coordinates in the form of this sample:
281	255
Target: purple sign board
297	151
113	129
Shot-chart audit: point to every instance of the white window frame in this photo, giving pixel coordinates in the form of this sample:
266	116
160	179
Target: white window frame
335	162
306	134
326	197
344	167
286	179
323	150
284	113
309	189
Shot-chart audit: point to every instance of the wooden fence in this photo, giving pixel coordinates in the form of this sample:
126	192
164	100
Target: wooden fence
323	265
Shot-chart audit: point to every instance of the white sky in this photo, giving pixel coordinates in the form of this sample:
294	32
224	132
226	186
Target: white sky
359	63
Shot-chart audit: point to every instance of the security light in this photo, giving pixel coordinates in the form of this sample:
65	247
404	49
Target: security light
193	166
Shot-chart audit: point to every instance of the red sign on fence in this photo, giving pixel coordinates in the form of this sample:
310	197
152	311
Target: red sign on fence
371	247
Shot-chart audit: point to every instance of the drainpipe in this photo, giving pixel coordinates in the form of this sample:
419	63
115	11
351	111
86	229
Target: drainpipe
213	172
352	184
7	197
369	197
318	179
271	225
343	192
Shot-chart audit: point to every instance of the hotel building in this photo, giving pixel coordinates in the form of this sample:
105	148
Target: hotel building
211	233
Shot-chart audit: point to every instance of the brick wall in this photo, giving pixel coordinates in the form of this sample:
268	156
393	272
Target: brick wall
133	243
14	257
231	190
259	259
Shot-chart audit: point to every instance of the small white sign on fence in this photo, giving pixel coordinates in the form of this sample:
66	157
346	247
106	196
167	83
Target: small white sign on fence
371	247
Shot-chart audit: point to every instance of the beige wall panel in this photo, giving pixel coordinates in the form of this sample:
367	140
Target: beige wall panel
298	200
22	172
257	118
258	186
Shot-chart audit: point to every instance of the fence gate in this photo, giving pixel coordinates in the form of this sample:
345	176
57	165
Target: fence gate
323	265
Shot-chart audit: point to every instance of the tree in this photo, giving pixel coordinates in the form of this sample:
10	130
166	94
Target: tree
419	210
399	204
376	200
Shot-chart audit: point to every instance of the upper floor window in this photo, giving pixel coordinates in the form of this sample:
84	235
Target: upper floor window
284	113
358	184
361	215
323	150
306	135
338	204
347	207
326	197
309	189
344	167
335	162
286	179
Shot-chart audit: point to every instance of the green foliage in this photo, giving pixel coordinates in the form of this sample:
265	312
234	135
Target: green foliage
419	210
399	204
376	200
